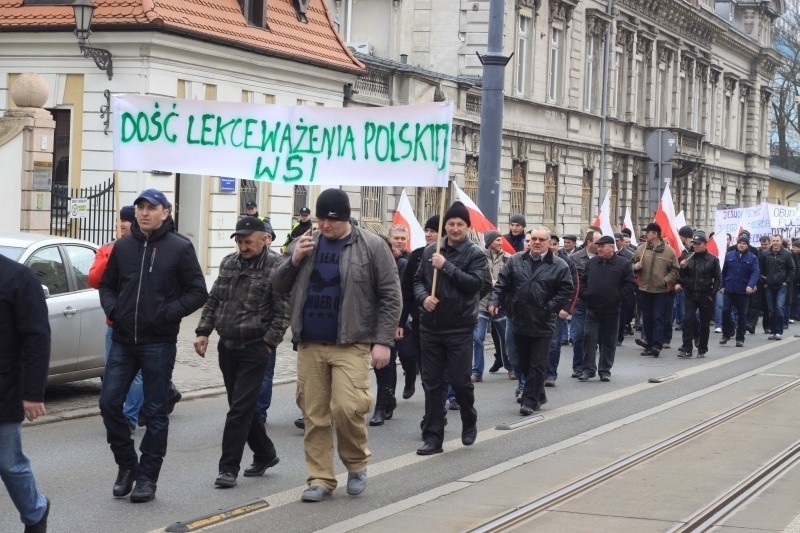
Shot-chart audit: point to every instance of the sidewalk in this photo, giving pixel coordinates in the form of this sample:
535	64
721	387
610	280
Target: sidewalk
194	376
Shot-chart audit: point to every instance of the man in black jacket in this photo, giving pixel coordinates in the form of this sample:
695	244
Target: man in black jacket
448	317
516	232
700	280
151	282
24	359
533	287
607	281
777	271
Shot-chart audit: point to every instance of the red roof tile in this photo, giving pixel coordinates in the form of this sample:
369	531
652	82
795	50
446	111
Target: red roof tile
220	21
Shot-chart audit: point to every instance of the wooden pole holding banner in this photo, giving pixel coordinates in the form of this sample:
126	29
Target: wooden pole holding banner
439	239
117	205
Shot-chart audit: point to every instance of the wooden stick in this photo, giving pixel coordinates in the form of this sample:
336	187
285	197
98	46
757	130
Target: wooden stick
438	242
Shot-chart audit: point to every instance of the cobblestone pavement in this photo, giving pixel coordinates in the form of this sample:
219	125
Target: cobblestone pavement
194	376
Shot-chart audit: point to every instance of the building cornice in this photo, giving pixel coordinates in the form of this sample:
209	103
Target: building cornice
680	18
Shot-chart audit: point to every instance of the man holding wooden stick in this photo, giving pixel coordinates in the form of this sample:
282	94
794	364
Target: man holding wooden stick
452	278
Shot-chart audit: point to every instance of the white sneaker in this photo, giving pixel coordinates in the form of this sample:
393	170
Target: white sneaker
778	337
717	330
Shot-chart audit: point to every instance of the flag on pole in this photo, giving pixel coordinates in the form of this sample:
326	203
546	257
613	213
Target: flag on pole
404	216
628	223
603	220
480	223
665	217
680	220
717	245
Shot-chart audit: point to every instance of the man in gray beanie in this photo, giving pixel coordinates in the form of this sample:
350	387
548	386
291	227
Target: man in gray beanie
516	232
342	322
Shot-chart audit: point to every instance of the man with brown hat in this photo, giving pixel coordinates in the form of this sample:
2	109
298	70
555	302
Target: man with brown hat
251	320
345	307
656	266
448	317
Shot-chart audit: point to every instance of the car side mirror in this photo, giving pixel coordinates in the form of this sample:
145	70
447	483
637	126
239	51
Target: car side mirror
46	291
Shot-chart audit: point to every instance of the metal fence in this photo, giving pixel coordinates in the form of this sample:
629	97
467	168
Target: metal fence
100	224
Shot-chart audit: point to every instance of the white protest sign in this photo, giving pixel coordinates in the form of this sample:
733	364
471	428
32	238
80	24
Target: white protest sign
398	145
754	219
784	220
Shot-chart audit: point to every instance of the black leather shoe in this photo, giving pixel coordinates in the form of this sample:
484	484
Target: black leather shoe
124	483
41	525
144	491
496	366
468	435
429	449
300	423
174	397
225	480
605	377
408	392
257	469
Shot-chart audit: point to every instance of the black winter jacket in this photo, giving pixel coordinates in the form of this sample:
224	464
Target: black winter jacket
532	299
150	284
607	282
701	276
410	308
777	268
25	340
462	282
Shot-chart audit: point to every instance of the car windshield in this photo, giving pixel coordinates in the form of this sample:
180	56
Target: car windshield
12	252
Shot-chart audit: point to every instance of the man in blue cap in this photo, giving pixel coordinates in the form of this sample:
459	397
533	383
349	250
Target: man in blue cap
152	281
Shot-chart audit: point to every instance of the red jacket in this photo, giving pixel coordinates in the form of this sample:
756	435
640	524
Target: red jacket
98	268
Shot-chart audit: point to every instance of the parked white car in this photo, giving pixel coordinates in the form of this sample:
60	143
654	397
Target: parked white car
77	321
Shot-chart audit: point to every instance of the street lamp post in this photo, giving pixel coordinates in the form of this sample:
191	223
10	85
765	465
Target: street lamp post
83	10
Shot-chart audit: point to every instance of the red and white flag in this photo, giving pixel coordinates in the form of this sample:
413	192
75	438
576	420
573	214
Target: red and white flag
628	223
603	219
665	217
478	222
404	216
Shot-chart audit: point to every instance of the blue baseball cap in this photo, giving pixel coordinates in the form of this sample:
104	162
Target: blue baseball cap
154	196
128	214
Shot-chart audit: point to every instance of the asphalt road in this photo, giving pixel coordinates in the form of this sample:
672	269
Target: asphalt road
76	470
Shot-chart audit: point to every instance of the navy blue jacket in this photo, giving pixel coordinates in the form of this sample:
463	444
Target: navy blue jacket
739	272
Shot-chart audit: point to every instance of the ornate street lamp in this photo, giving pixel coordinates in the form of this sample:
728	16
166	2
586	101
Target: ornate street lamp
83	10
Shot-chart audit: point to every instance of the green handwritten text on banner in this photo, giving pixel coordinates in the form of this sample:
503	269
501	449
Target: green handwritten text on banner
401	145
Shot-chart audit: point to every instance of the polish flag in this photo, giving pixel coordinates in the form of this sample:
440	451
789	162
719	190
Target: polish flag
478	222
665	217
717	245
628	223
404	216
603	219
680	220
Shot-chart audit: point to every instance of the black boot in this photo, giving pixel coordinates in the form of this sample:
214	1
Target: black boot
498	364
410	387
379	416
391	403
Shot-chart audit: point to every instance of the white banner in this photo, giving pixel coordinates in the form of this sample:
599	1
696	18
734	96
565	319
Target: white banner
398	145
784	220
754	219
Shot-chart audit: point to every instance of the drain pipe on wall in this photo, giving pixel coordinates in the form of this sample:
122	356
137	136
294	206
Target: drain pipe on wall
604	107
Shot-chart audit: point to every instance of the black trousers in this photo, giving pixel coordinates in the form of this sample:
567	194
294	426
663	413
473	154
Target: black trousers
446	356
693	302
387	376
601	328
533	353
243	371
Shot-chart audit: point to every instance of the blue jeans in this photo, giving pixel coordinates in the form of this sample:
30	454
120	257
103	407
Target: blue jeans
562	332
156	362
776	304
513	357
15	470
555	352
719	299
135	398
578	324
677	308
265	394
669	307
741	302
498	322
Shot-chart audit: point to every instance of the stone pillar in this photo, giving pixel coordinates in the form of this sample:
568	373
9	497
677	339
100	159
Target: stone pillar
26	149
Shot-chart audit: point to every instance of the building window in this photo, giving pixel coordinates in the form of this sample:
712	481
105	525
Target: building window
428	204
471	177
614	199
300	198
554	65
696	85
372	204
744	94
634	202
550	196
254	12
726	118
518	174
523	55
645	88
592	70
586	194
